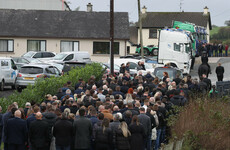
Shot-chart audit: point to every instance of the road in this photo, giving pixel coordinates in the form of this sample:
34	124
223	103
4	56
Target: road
213	61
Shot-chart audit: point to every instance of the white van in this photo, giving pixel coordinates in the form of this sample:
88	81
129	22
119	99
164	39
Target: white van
8	72
71	56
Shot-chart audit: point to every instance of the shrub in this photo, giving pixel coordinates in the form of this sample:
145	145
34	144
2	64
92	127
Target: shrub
50	85
204	124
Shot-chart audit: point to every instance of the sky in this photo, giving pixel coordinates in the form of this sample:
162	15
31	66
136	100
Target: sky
219	9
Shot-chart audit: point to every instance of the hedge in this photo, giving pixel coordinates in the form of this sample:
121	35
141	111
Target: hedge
42	87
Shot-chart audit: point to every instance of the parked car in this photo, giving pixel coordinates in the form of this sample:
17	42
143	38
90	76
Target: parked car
172	72
20	61
71	56
107	67
67	66
30	72
134	65
39	55
8	72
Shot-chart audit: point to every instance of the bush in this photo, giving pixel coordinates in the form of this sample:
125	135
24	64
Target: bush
50	85
204	124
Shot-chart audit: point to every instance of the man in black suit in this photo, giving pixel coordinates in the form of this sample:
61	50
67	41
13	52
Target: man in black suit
220	72
16	132
82	131
39	133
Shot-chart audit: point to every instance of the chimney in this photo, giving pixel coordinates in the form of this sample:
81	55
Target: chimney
205	10
89	7
144	9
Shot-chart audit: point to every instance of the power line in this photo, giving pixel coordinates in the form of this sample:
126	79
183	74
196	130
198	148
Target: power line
221	13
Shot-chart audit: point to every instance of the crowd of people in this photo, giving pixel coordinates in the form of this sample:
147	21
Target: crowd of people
215	50
114	113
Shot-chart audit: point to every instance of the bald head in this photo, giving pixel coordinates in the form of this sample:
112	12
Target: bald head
38	116
18	114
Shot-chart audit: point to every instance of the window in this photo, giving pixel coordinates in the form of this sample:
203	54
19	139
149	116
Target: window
178	47
38	55
68	46
46	54
36	45
153	33
6	45
69	57
104	47
50	70
133	65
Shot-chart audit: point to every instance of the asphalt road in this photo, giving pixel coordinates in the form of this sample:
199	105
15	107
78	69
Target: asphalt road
8	91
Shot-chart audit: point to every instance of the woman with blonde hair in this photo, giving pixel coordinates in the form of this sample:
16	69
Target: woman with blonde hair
122	135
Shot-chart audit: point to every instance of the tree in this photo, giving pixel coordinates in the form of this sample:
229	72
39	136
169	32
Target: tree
227	22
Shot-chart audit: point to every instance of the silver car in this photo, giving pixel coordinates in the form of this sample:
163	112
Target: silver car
30	72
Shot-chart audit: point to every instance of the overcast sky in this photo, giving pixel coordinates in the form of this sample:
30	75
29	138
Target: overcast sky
219	9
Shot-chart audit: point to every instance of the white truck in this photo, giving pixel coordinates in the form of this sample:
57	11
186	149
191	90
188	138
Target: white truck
175	48
8	73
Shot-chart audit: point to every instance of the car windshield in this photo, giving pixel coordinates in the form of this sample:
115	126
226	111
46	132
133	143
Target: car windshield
148	66
31	70
32	60
159	73
29	54
59	56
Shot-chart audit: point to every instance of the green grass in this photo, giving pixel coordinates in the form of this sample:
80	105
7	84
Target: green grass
214	30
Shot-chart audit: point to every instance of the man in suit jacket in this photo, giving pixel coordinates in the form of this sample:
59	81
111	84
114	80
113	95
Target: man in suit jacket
39	133
82	131
16	132
146	122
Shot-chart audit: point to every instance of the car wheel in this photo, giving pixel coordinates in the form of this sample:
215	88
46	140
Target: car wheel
2	85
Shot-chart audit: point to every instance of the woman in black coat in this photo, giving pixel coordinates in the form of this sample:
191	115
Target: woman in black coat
103	136
122	136
137	134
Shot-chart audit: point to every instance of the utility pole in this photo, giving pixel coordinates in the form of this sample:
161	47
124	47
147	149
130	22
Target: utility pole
140	28
112	37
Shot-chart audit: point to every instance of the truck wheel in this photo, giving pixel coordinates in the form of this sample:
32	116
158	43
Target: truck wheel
2	84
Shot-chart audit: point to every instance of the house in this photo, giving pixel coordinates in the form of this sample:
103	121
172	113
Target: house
60	31
34	4
153	21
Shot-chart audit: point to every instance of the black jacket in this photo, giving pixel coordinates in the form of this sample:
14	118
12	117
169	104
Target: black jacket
63	132
103	139
16	131
39	134
82	131
121	142
220	71
137	136
146	122
203	69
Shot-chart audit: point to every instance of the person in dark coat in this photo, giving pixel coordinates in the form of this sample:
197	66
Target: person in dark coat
82	131
122	68
220	72
122	135
5	117
63	133
137	134
103	136
203	69
39	134
16	132
177	99
146	122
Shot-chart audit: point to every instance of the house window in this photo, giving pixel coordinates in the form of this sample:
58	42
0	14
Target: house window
153	33
36	45
104	47
69	46
6	45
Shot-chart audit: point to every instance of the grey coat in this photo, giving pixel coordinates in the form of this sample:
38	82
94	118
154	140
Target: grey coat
146	122
82	131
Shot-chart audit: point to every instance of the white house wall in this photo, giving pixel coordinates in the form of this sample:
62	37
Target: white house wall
53	45
146	39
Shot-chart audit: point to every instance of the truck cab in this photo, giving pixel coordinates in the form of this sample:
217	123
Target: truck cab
175	47
8	73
